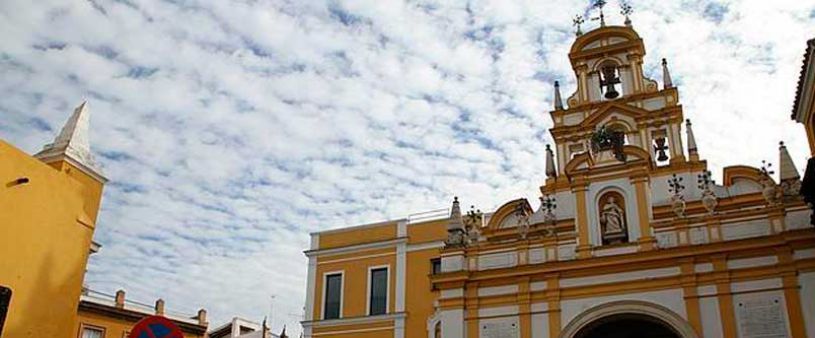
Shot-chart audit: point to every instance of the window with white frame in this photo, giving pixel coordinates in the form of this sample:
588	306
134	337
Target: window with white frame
92	332
332	296
378	291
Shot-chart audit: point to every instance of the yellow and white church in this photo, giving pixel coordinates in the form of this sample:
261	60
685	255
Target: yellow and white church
632	237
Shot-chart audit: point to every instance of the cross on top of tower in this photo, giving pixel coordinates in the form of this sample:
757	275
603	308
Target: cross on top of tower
599	4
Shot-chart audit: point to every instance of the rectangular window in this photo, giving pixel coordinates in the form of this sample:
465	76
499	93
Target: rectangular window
333	296
5	302
435	266
92	332
379	292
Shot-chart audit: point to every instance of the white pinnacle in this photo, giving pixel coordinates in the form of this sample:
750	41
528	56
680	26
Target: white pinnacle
558	99
787	168
73	142
666	76
692	150
455	222
551	171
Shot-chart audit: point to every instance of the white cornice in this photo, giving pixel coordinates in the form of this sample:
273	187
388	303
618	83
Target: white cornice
357	247
353	320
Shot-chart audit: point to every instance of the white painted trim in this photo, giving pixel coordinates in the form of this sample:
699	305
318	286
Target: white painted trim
315	242
351	320
354	258
310	286
325	287
357	247
361	226
387	290
401	277
667	316
425	246
401	228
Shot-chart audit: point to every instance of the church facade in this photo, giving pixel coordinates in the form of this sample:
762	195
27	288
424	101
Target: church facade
631	236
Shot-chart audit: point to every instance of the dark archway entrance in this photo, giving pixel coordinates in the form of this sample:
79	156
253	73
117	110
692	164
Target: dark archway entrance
627	326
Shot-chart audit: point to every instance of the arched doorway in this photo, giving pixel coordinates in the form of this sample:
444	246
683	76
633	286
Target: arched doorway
628	318
627	326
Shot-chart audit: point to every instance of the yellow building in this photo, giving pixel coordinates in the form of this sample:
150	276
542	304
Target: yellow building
113	316
48	209
631	236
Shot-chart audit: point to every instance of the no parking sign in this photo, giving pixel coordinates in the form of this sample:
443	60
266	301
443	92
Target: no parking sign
155	327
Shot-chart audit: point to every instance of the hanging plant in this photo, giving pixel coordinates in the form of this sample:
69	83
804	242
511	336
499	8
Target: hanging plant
605	139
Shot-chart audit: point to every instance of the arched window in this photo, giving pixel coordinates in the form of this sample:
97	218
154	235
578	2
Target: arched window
612	216
437	330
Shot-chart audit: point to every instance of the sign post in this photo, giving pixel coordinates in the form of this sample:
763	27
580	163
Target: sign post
155	327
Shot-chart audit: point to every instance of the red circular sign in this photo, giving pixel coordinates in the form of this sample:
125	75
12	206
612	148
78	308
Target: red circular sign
155	327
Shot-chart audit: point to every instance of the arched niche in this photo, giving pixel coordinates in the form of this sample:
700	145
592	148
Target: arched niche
612	217
584	324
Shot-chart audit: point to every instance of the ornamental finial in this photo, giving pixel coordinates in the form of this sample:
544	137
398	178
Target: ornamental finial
599	4
626	10
577	21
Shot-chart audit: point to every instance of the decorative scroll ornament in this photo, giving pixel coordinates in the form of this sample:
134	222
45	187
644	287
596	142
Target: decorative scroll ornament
709	199
771	192
677	200
605	139
522	215
472	224
548	203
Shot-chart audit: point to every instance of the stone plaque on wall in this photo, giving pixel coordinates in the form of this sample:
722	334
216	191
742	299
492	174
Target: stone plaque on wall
762	316
499	329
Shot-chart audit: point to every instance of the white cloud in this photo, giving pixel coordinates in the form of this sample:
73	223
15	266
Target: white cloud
231	129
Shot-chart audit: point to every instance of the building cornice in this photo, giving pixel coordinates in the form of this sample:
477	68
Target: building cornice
356	247
805	79
353	320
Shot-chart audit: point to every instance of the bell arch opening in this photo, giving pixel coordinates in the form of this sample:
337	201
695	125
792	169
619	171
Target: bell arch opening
627	325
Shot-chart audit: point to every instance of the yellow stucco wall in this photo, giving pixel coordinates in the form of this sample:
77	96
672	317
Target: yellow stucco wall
355	263
346	237
419	303
355	280
114	327
46	227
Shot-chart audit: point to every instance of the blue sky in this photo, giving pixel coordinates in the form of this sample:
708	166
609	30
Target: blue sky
232	129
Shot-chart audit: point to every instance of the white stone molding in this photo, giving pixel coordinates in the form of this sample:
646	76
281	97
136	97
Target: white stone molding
668	317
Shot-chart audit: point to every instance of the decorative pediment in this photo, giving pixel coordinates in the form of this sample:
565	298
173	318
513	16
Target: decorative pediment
507	216
626	112
587	161
741	172
605	38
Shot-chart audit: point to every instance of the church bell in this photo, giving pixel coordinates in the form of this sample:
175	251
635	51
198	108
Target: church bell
609	80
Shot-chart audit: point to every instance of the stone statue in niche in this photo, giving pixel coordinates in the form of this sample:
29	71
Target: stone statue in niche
612	219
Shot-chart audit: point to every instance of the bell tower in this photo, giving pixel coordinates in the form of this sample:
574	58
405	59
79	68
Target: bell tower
617	137
614	105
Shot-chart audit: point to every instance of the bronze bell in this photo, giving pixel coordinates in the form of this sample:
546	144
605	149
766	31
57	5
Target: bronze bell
609	80
660	149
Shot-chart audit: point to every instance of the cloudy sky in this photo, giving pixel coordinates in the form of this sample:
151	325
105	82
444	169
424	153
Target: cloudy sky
232	129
